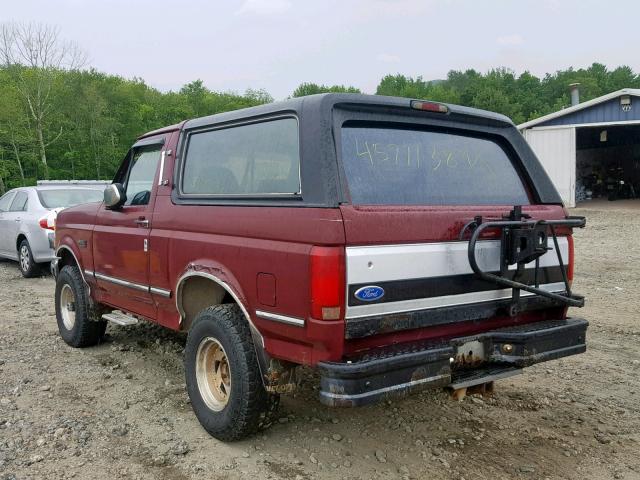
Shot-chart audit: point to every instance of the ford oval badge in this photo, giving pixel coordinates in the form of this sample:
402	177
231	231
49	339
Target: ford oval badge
370	293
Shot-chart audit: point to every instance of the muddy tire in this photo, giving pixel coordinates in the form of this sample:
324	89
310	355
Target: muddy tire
28	266
77	322
222	375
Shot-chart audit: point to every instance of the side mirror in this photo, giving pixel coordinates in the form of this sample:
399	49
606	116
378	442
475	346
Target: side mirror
114	196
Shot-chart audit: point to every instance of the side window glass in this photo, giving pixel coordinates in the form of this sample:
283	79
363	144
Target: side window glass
5	201
19	203
255	159
141	174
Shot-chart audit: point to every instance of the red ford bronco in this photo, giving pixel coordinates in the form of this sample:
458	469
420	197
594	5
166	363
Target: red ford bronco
392	244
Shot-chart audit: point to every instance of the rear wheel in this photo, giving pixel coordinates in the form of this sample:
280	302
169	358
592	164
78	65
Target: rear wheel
222	375
78	321
28	267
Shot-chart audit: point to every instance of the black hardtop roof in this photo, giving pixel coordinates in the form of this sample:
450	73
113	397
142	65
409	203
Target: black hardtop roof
319	152
324	101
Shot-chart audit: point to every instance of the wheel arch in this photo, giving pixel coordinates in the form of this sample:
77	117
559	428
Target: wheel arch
19	239
203	289
66	256
277	377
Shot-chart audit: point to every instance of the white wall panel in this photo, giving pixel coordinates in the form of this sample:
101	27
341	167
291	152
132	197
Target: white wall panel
556	150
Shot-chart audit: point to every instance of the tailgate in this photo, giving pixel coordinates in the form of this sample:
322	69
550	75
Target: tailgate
412	188
417	274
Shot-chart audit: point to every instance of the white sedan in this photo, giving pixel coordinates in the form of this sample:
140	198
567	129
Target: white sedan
27	222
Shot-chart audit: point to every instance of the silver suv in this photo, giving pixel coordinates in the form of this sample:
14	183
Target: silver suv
27	221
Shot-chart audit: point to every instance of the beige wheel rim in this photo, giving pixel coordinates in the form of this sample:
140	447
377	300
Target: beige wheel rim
213	374
67	307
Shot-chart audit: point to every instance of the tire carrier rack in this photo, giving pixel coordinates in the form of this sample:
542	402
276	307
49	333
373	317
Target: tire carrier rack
523	241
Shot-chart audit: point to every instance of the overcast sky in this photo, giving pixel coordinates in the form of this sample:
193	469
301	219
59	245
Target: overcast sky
278	44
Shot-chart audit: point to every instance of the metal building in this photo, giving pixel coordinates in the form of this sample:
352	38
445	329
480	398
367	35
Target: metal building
591	149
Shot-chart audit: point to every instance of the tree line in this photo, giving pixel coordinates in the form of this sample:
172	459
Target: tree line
61	119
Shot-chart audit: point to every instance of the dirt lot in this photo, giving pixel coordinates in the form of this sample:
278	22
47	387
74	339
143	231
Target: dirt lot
120	410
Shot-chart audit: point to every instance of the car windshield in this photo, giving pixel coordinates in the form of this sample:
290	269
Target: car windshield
62	198
393	166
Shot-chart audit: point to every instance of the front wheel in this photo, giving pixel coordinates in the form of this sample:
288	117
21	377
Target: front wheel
222	375
77	322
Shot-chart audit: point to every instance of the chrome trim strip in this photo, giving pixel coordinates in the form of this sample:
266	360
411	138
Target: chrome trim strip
122	283
235	196
160	179
401	386
298	322
160	291
370	264
360	311
379	263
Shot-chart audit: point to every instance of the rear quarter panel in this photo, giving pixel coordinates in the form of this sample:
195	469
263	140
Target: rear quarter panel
237	243
37	237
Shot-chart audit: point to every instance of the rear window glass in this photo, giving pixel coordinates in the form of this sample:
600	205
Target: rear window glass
19	203
414	167
255	159
61	198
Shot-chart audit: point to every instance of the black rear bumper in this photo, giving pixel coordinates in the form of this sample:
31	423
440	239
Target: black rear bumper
459	362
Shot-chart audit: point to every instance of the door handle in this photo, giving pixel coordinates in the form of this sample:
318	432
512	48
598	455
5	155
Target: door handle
16	219
142	222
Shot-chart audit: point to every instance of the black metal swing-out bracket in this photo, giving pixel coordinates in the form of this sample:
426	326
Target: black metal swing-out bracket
523	241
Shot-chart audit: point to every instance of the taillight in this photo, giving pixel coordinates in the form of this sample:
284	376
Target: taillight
48	223
429	106
327	282
571	259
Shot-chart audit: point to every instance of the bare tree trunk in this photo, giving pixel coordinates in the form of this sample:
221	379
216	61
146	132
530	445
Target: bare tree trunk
94	147
16	152
36	49
42	149
3	187
73	165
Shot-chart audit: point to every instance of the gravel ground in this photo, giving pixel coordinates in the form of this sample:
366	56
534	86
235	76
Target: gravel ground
120	410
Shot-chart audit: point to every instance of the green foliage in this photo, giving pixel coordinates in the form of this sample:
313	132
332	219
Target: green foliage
401	86
305	89
522	98
92	118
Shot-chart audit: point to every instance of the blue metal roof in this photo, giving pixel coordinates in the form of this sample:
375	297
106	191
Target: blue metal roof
599	110
610	111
